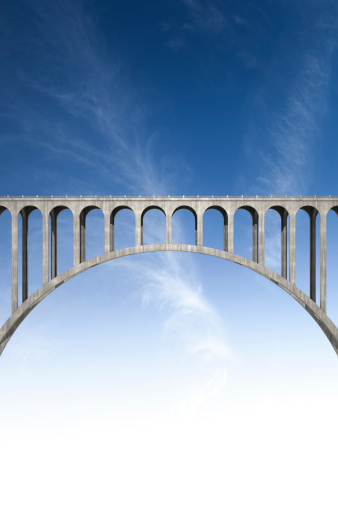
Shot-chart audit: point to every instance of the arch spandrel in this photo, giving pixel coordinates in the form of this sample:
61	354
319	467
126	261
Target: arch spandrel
2	209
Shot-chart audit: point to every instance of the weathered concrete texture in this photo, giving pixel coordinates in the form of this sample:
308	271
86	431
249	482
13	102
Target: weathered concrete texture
316	313
287	208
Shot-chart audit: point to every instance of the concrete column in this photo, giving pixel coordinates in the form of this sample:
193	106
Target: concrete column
226	235
261	248
169	228
313	215
292	248
323	261
76	239
83	215
112	233
199	229
15	263
138	230
284	243
230	232
53	217
107	239
25	215
45	247
255	237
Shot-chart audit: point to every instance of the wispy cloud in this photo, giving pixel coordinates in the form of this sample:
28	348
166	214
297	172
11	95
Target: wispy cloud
206	16
103	128
287	155
191	324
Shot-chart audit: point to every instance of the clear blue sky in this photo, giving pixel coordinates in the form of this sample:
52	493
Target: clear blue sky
168	379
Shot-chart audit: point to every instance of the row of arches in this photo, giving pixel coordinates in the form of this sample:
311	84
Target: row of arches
153	228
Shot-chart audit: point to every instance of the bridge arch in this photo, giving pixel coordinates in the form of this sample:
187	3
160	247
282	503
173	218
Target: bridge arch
283	214
25	213
143	214
307	303
54	214
193	212
255	233
224	215
112	219
83	217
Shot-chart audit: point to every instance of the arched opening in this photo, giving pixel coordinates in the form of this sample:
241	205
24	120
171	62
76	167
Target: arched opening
91	233
215	228
276	242
122	228
30	250
5	262
307	251
331	263
61	240
184	226
153	223
318	315
246	233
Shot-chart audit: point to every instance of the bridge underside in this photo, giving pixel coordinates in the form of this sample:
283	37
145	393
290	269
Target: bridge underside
31	302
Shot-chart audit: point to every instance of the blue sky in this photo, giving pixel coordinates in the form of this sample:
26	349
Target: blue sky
168	379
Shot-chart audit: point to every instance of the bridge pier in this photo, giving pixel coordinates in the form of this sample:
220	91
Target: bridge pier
284	243
138	230
255	241
76	239
169	228
261	248
230	232
45	247
292	248
323	261
15	261
25	212
53	217
313	215
199	230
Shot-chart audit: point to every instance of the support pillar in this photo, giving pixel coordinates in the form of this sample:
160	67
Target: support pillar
15	264
313	214
53	217
45	247
323	261
76	239
226	232
169	228
83	236
199	230
112	232
25	215
138	230
292	249
255	236
261	230
284	243
107	238
230	233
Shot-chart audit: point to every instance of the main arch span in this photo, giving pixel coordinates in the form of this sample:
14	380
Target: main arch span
51	207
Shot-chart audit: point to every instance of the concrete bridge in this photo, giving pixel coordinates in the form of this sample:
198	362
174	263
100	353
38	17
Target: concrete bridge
51	207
